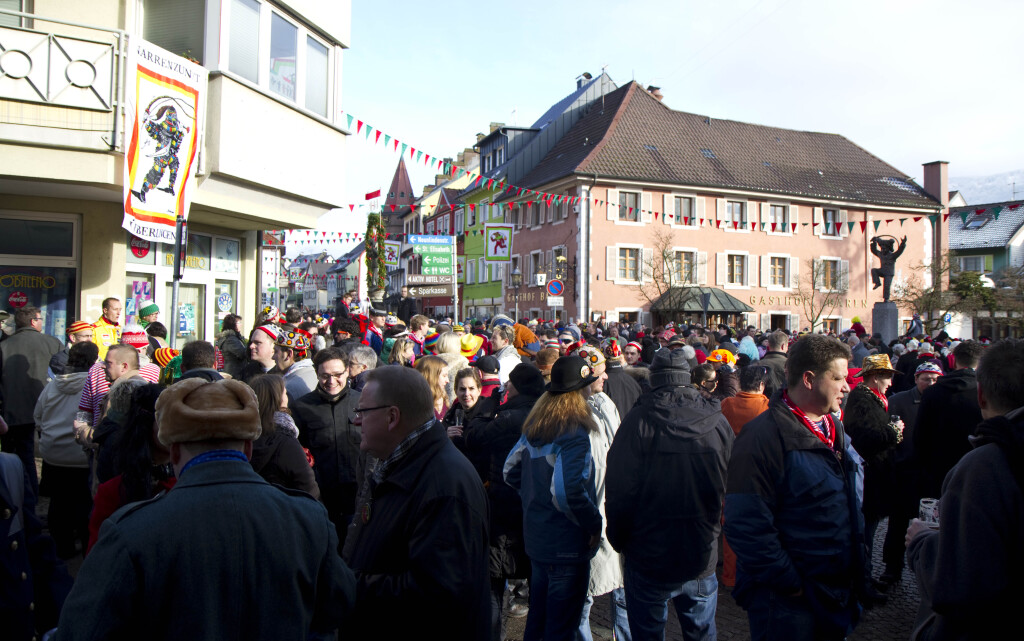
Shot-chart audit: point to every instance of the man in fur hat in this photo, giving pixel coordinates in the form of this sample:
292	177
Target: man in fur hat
224	555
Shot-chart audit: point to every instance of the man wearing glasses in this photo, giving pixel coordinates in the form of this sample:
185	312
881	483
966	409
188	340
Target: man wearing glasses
24	360
324	419
419	543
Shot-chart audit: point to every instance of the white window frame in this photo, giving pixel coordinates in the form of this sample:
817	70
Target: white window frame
554	253
840	228
963	263
670	271
744	223
458	222
837	318
538	263
790	280
766	219
471	216
639	263
263	67
839	274
722	269
698	209
536	212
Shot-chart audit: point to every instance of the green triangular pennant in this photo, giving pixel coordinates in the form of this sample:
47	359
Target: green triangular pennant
876	223
902	220
996	210
404	147
349	116
850	225
387	139
368	130
963	216
419	154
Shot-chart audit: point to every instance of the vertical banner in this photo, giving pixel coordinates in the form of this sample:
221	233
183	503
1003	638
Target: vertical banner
498	243
392	249
166	101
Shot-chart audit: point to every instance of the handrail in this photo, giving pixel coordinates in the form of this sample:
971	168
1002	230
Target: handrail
35	16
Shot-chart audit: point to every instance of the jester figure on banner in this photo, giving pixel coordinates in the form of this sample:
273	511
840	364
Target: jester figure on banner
166	132
499	243
165	103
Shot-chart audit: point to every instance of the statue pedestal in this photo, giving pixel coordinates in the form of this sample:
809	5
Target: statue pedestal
885	320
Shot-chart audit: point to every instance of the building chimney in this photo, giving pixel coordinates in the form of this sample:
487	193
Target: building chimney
496	126
480	137
656	92
936	181
582	79
936	185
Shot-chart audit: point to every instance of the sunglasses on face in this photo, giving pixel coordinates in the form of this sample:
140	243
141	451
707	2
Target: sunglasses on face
566	341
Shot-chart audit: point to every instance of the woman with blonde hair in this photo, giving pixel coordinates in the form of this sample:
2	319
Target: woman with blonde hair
449	348
552	469
435	370
402	352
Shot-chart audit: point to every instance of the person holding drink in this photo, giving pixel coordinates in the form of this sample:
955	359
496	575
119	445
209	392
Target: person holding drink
969	564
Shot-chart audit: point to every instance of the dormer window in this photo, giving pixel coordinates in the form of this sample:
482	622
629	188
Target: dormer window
977	222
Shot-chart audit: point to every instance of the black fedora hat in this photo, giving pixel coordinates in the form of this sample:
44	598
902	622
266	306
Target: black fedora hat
569	374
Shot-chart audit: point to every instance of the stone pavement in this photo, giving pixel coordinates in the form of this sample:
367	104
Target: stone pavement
892	621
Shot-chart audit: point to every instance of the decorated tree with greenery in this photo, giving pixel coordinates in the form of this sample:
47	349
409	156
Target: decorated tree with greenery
376	270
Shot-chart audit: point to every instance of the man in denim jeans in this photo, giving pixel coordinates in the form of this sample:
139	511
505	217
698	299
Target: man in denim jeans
664	487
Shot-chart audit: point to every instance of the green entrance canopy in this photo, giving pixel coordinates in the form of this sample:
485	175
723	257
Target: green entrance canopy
688	299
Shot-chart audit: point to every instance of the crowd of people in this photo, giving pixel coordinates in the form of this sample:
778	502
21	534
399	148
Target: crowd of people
370	475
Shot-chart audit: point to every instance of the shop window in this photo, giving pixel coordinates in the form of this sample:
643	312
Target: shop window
225	255
28	237
138	288
139	251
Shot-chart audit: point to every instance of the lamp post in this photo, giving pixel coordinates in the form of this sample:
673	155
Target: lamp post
516	279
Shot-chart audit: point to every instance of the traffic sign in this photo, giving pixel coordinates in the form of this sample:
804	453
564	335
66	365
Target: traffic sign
423	279
421	239
423	291
555	287
556	301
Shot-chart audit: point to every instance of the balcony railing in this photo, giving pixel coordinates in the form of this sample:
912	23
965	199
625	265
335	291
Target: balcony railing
62	89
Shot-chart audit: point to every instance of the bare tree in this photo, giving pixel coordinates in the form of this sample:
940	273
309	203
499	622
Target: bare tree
822	286
966	294
663	269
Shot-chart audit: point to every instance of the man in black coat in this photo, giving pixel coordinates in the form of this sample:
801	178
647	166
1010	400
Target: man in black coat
775	361
664	490
24	360
419	544
948	415
223	555
325	427
622	388
406	306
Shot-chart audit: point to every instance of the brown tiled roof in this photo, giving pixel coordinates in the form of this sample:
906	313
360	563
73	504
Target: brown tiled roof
636	137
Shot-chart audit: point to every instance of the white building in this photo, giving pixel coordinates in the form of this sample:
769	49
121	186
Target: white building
270	157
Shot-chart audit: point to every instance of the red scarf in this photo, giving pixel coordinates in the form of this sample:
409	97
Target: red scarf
881	397
826	435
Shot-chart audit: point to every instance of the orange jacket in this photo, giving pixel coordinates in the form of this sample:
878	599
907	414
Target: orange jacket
743	408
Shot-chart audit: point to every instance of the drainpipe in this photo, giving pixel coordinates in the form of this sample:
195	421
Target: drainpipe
584	262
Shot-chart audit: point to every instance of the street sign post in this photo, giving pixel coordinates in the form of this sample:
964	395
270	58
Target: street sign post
424	291
421	279
556	301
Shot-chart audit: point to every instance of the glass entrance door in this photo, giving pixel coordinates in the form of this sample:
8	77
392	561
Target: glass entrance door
189	323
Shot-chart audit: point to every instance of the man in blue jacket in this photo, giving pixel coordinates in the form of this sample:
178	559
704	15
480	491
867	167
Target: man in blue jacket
792	514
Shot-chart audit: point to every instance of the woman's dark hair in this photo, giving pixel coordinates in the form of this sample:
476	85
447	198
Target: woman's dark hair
82	356
751	378
134	459
230	322
156	329
269	390
742	360
701	373
647	350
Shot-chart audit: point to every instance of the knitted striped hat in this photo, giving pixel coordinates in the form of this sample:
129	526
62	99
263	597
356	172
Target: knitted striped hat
270	330
147	307
78	326
137	338
163	356
430	342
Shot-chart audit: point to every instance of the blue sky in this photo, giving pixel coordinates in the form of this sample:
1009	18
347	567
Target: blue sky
910	81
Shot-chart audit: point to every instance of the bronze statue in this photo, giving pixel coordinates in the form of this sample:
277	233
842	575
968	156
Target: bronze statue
885	248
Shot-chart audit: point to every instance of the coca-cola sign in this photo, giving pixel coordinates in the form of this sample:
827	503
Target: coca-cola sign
140	247
18	299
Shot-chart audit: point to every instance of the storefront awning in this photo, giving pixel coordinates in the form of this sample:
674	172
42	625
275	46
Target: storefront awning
688	299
